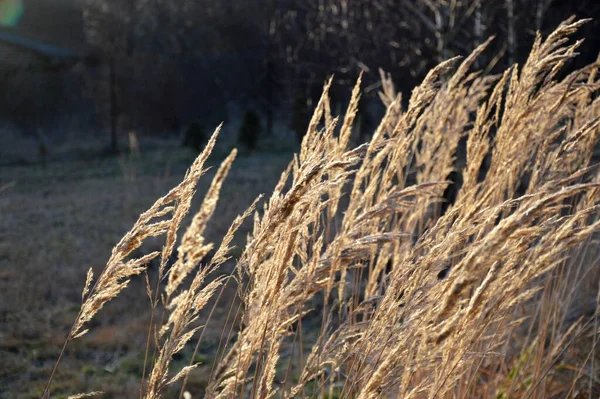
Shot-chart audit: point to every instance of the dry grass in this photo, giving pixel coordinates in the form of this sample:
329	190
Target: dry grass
41	278
482	298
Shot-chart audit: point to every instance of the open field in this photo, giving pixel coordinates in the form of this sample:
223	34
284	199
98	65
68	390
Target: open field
56	222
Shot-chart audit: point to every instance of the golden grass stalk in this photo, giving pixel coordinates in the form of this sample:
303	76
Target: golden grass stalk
163	218
415	300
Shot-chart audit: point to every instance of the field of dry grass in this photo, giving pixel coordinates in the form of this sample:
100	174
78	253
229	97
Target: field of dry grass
59	220
356	278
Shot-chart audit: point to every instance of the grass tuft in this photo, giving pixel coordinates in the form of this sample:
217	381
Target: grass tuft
358	280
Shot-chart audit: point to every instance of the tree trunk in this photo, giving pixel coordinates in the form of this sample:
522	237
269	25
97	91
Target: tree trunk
114	146
439	35
542	6
512	40
478	30
270	79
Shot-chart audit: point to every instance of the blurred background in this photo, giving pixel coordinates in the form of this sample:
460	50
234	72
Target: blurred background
79	69
105	103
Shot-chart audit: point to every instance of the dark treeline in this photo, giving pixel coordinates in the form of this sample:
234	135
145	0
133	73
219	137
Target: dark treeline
158	65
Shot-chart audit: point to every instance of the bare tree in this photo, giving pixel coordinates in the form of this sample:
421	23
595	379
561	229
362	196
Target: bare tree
108	27
254	51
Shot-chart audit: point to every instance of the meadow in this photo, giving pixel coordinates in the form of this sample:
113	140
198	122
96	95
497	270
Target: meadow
72	212
455	254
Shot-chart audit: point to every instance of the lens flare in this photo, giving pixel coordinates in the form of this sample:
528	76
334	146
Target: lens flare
10	12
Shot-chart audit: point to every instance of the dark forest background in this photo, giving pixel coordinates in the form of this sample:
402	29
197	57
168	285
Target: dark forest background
101	68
